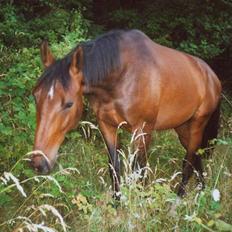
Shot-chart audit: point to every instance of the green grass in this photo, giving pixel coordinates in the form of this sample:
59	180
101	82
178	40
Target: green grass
83	197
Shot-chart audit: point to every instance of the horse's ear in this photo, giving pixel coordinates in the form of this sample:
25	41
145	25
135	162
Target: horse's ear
77	61
46	54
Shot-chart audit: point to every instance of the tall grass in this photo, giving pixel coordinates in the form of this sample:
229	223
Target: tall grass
77	195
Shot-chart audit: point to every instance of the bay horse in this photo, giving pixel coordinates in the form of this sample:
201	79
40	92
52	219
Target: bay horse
127	78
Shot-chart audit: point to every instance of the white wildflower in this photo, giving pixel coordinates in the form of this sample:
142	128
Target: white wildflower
216	195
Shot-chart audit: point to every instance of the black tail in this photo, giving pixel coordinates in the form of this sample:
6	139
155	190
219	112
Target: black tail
211	131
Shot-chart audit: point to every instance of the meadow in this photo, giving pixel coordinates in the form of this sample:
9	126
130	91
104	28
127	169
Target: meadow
77	195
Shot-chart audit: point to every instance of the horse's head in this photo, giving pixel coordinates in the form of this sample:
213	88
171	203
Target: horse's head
59	105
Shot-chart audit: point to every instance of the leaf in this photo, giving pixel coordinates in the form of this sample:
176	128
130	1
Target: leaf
5	199
222	142
211	223
200	151
198	220
82	204
223	226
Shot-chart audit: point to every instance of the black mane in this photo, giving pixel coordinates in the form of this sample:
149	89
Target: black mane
100	58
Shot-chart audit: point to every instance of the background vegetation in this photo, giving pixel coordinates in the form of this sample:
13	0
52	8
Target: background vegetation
76	196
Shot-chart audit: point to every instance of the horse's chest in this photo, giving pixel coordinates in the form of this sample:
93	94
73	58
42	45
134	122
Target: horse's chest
107	112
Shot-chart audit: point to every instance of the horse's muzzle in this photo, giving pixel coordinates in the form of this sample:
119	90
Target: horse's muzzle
40	164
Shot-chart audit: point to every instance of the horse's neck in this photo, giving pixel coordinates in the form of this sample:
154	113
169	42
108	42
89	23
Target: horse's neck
96	93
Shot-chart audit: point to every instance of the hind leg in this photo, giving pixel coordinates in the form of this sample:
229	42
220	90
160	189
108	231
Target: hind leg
190	135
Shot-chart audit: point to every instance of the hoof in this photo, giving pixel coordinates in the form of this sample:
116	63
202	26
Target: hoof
117	196
200	186
181	191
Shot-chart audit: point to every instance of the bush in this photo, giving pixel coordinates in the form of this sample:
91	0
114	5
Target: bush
199	28
18	77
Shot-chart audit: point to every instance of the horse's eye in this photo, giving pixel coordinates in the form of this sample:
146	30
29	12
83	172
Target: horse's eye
68	105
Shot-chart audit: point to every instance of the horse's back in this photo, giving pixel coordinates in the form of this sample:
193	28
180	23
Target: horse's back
169	85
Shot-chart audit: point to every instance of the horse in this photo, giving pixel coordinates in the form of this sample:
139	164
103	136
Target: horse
128	78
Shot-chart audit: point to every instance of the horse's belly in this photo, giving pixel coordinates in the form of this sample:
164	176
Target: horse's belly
174	115
179	99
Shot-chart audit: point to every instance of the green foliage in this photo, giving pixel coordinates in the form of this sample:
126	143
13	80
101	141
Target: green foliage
17	32
20	71
79	187
199	28
12	26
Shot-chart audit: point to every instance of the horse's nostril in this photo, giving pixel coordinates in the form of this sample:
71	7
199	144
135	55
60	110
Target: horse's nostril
40	164
44	167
